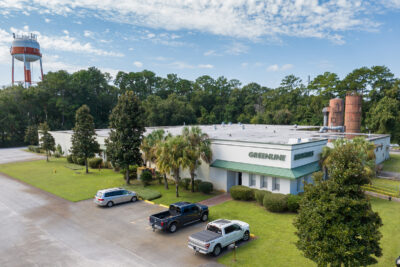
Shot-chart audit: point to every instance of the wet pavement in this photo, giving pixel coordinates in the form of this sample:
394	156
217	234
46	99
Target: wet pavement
40	229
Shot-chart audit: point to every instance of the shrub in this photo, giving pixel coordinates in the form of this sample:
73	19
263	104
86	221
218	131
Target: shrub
80	161
240	192
37	150
95	163
69	159
197	182
293	203
185	182
31	148
59	149
57	154
205	187
146	177
259	196
159	177
132	171
275	202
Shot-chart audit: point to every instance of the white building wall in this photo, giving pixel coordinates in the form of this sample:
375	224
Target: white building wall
219	178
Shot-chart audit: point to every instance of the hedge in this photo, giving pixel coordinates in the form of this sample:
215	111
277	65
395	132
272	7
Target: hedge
240	192
146	177
293	202
206	187
259	196
95	163
275	202
197	183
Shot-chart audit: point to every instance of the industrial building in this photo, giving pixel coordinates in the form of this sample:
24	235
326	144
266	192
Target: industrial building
277	158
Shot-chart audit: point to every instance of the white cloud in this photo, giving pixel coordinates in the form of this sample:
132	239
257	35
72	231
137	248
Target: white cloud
205	66
244	19
276	67
47	20
88	34
237	49
244	64
66	43
210	53
131	49
138	64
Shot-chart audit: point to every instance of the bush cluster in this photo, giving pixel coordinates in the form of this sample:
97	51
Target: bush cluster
69	159
132	171
32	148
57	154
79	161
275	202
197	182
185	183
293	203
146	177
206	187
240	192
259	196
95	163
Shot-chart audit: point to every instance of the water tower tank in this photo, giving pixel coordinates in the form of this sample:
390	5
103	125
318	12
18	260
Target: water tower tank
352	119
336	112
26	48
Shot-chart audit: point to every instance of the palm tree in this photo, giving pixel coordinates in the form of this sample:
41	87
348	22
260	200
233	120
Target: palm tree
171	156
149	144
198	148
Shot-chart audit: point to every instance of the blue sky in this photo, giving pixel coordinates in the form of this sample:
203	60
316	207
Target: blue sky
252	41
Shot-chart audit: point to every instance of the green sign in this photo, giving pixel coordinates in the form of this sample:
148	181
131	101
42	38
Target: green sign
304	155
260	155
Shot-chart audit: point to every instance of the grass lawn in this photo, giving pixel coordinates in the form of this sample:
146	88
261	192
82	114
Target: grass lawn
275	243
168	196
70	181
387	184
392	164
63	179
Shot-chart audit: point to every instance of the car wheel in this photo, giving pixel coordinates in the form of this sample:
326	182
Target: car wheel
246	236
110	204
172	228
217	250
204	217
134	199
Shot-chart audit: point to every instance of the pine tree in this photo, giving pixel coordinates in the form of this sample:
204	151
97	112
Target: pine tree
127	128
336	224
47	141
31	135
84	144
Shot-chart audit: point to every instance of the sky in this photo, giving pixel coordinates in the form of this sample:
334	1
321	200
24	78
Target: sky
248	40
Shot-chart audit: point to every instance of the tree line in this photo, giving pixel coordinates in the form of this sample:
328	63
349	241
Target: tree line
172	100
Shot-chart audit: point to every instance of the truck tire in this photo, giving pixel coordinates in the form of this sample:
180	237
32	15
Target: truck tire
110	204
134	199
246	236
217	250
172	228
204	217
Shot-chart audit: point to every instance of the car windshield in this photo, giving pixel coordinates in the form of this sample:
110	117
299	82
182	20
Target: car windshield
214	229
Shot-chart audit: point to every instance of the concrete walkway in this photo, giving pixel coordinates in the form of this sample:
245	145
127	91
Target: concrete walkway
389	175
216	200
381	196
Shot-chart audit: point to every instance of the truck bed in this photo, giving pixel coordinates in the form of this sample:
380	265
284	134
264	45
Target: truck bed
163	215
205	236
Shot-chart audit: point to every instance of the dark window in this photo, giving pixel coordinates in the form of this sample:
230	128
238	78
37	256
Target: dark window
119	192
236	227
107	195
195	209
229	229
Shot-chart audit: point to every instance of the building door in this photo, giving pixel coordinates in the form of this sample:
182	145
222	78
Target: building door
239	178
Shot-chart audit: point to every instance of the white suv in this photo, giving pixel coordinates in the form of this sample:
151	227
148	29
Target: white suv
110	197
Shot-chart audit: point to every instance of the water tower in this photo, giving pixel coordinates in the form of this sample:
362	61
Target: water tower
26	48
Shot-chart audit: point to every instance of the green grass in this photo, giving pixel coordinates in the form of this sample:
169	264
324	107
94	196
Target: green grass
275	243
386	184
70	181
392	164
54	177
168	196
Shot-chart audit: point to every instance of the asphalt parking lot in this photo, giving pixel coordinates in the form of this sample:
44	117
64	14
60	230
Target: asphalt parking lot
17	154
40	229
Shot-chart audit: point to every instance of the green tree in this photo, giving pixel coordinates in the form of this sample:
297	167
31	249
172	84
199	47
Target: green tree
84	144
149	145
31	135
336	225
127	128
171	157
47	141
198	148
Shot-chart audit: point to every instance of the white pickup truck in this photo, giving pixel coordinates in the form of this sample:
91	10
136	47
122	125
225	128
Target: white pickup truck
219	234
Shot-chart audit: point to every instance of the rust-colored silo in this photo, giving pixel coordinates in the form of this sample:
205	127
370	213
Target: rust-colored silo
352	118
336	112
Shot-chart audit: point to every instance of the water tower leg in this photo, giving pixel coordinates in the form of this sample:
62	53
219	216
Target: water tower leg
24	71
12	70
28	73
41	68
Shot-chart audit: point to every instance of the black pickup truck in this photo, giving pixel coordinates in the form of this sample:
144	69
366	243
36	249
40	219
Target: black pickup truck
179	214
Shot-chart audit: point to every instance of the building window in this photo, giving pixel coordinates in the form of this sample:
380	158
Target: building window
252	179
263	182
299	184
275	184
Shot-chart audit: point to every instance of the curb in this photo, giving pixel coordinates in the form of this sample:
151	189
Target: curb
152	203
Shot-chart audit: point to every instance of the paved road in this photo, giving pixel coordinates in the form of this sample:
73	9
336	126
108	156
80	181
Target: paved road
17	154
39	229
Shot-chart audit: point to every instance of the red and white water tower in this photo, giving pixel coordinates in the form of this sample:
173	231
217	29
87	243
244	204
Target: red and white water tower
26	48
